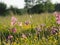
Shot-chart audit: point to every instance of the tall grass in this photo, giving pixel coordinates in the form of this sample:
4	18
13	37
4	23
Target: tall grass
38	32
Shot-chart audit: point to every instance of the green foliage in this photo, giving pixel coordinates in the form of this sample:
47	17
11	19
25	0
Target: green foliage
15	10
29	3
49	7
2	9
41	6
31	7
57	7
37	9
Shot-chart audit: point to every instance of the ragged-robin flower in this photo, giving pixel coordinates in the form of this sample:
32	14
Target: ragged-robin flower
13	20
27	22
54	30
24	36
57	15
10	37
42	25
20	23
14	30
37	28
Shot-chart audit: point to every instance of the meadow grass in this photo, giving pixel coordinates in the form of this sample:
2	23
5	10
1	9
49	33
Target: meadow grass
36	18
29	35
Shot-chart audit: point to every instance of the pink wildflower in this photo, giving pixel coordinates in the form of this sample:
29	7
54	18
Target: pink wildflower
20	23
13	20
10	37
57	15
27	22
14	30
38	28
24	36
54	30
58	19
58	22
42	25
12	23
